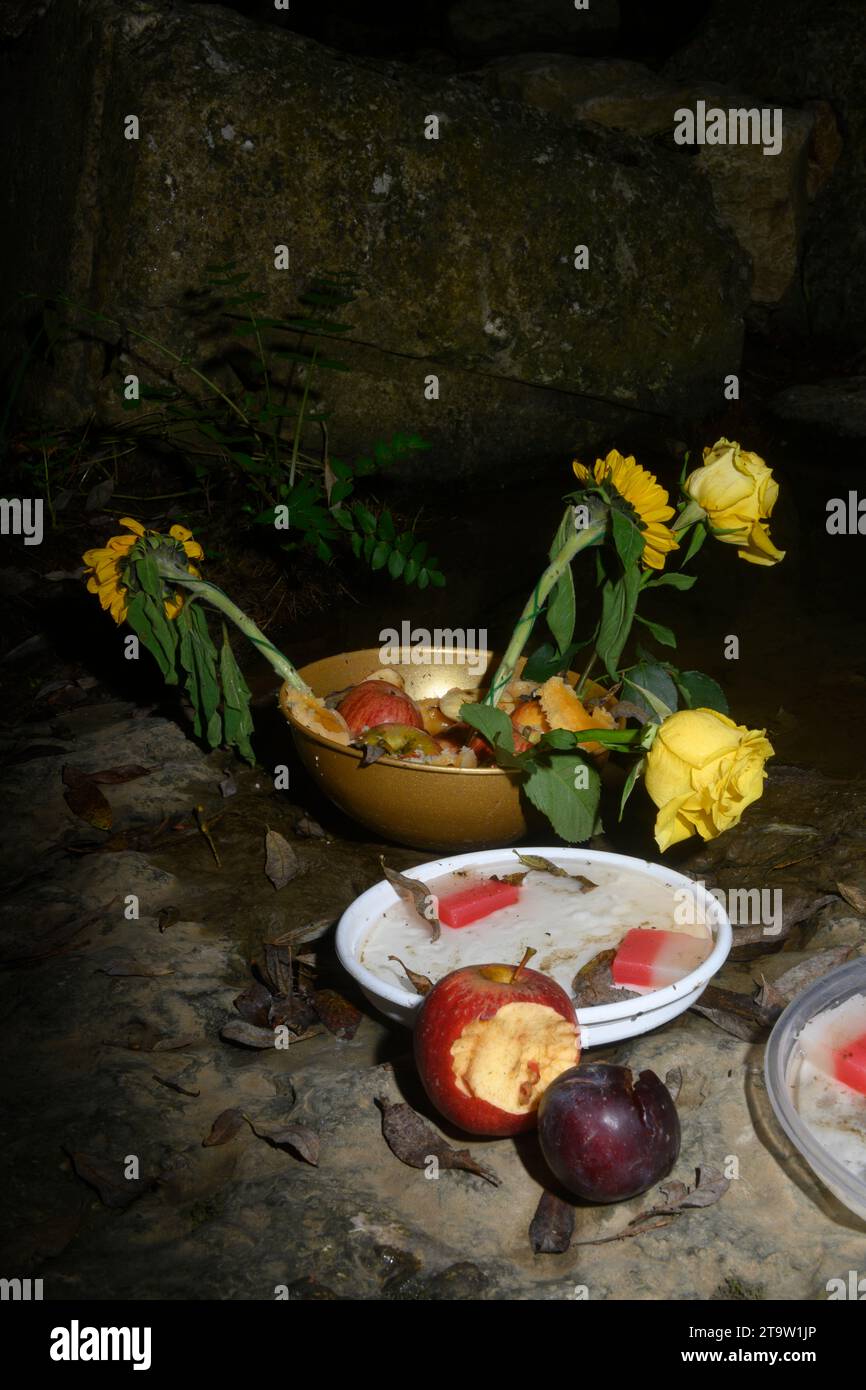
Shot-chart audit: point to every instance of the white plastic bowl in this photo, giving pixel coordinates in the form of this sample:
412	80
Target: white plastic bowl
606	1023
781	1057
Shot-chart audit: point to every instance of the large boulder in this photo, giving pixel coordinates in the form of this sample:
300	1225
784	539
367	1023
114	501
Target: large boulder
251	137
762	198
793	51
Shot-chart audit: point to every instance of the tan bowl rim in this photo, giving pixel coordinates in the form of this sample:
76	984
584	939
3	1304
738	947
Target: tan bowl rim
402	763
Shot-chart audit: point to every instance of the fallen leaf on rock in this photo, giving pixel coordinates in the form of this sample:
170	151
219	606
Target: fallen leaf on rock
107	1178
339	1016
253	1004
175	1086
228	786
309	828
278	967
237	1030
167	918
854	895
415	1142
674	1081
281	862
85	800
113	776
204	826
294	1011
709	1188
419	983
298	1138
129	968
813	968
227	1124
798	909
552	1226
542	865
417	895
738	1014
310	931
174	1043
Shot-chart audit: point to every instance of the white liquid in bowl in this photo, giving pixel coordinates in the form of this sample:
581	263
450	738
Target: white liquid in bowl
835	1113
564	925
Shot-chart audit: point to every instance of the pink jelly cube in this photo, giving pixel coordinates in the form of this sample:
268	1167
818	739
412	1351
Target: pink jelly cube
471	904
835	1043
652	959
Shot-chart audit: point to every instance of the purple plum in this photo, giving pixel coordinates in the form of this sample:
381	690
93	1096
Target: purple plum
605	1136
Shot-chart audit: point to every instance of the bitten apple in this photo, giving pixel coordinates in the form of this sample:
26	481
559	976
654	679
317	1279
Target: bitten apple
378	702
489	1039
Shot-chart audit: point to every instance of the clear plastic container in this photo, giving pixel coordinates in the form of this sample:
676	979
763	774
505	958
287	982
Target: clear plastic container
782	1059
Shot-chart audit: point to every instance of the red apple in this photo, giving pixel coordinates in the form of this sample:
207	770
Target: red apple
489	1040
378	702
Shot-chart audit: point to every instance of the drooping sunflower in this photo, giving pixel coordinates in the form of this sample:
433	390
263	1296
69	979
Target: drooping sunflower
107	566
646	501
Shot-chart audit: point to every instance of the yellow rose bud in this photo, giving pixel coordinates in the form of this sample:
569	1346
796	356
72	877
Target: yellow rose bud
738	492
702	771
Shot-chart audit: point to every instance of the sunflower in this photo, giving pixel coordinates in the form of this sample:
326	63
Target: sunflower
646	499
107	566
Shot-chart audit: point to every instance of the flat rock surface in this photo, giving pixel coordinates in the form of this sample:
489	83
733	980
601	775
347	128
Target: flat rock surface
103	1024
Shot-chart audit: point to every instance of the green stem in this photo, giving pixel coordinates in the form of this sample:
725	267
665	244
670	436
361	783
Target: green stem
578	541
202	588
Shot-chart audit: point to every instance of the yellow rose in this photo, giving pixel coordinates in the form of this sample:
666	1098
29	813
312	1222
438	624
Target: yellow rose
738	492
702	771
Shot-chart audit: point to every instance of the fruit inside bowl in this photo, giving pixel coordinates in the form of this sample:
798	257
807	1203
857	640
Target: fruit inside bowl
378	716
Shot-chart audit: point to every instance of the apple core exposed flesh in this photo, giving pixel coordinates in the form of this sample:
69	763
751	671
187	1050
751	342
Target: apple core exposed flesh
509	1060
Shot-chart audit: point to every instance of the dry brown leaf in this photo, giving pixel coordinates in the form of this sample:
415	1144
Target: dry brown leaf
593	984
813	968
281	862
253	1004
247	1034
415	1142
299	1139
552	1226
709	1188
738	1014
339	1016
854	895
542	865
417	895
167	918
674	1081
419	983
113	776
107	1178
85	800
227	1124
175	1086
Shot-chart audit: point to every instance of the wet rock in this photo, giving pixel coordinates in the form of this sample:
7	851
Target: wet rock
789	51
456	278
762	198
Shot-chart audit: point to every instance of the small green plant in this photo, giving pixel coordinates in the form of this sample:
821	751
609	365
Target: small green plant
269	429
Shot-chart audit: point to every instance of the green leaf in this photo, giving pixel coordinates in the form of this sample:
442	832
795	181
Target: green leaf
437	578
410	571
386	526
366	518
561	606
379	556
627	538
550	786
698	536
674	579
423	578
396	564
618	602
658	707
664	635
153	631
492	723
634	773
701	692
652	676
